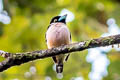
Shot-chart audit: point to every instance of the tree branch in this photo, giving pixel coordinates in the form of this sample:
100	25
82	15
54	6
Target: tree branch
20	58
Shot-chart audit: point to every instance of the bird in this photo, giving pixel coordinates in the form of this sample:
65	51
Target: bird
58	34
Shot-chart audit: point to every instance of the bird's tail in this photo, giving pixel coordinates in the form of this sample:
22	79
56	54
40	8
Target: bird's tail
59	68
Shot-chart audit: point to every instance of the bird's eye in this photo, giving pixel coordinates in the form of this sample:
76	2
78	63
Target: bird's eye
55	20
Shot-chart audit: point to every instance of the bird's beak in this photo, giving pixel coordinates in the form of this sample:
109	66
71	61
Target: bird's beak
62	17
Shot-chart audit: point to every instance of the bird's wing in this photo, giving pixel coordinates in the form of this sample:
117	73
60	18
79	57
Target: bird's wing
54	59
66	58
70	37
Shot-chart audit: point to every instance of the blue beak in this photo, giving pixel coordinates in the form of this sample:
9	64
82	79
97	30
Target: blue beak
62	17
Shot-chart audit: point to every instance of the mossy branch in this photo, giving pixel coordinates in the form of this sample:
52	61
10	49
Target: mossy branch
13	59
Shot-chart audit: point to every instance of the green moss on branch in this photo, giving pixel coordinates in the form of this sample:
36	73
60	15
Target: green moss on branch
20	58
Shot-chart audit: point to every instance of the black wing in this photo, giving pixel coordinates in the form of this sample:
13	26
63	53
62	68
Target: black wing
70	37
68	54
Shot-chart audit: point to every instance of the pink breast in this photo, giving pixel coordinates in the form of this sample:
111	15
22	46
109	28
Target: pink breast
58	37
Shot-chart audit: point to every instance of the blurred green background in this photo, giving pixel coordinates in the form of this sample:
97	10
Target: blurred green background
29	22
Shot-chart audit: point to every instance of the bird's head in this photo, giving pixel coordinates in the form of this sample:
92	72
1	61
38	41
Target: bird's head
61	19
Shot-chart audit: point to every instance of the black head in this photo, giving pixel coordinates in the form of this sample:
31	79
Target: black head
59	19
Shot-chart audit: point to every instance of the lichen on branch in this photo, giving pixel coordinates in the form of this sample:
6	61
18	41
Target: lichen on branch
13	59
